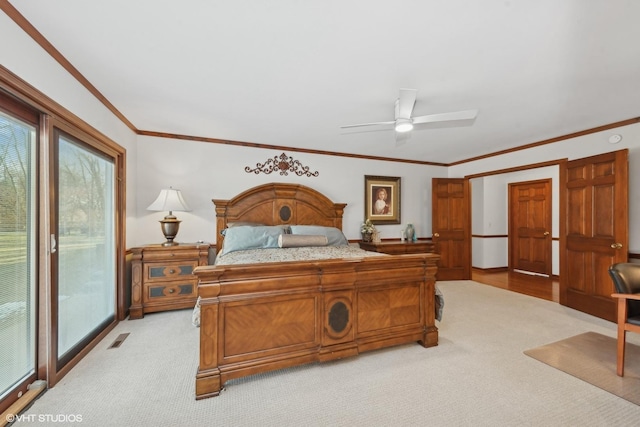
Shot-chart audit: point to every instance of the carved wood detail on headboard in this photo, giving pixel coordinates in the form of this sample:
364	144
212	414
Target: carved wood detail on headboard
277	204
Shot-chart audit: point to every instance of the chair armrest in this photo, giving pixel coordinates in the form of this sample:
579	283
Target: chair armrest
627	296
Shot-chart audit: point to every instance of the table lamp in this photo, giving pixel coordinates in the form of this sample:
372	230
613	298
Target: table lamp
169	199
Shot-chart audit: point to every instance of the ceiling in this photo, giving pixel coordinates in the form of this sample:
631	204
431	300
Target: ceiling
289	73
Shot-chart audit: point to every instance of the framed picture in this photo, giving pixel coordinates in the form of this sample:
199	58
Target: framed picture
382	199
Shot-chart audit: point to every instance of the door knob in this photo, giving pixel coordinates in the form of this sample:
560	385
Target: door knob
616	245
436	235
546	233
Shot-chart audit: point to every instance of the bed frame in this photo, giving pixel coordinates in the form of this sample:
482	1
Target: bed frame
261	317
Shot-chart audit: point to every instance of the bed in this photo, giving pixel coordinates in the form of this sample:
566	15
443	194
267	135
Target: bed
263	316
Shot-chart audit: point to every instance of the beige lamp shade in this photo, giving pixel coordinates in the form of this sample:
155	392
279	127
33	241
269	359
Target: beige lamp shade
169	199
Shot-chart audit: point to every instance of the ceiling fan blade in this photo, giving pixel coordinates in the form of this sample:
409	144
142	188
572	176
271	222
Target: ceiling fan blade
445	117
368	124
406	101
402	137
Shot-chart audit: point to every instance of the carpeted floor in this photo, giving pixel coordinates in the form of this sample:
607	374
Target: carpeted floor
592	358
478	375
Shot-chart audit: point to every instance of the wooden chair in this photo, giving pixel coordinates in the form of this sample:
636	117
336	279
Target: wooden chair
626	278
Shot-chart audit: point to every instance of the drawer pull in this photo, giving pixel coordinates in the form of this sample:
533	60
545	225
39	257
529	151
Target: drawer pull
172	271
171	291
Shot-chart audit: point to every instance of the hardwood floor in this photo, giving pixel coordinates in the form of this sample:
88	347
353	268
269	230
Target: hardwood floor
536	286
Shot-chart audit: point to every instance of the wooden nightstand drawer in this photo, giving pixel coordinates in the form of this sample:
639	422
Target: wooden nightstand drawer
155	272
171	254
178	290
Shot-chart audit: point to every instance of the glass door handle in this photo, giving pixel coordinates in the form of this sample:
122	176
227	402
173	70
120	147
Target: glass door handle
53	243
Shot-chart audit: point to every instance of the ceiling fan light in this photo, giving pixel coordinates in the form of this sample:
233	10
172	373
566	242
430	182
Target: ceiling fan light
403	125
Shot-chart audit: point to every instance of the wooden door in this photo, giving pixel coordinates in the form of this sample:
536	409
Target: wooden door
451	227
593	230
530	226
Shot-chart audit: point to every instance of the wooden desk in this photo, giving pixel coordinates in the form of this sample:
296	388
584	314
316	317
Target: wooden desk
395	247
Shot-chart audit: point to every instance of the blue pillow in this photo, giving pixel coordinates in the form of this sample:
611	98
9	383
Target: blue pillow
334	235
244	237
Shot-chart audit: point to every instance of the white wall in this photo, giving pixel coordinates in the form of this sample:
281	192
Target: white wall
488	218
25	58
575	148
205	171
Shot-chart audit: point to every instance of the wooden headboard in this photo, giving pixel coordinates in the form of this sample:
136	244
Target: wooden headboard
277	204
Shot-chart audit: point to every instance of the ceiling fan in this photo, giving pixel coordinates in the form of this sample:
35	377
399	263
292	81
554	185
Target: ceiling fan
403	122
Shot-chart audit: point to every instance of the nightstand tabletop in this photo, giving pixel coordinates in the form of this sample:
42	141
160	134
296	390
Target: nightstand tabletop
394	247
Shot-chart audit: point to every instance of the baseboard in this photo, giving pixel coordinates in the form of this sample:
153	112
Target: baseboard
504	270
34	390
491	270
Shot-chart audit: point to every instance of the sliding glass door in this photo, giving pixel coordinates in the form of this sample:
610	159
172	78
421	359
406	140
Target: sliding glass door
85	270
18	297
62	216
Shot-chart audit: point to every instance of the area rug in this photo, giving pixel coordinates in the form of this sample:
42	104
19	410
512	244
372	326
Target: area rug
592	358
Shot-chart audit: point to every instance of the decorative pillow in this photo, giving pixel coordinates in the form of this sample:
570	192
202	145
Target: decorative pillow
247	237
334	235
298	240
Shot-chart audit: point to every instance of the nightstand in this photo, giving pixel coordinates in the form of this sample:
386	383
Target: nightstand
162	279
396	247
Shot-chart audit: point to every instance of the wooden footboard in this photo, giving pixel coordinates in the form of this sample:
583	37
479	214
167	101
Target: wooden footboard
261	317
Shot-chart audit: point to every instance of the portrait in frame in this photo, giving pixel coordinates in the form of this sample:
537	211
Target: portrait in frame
382	199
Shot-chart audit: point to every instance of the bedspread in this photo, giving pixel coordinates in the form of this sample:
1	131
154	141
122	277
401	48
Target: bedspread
252	256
